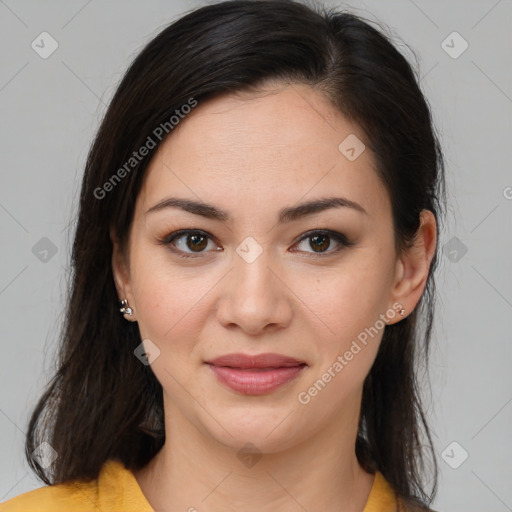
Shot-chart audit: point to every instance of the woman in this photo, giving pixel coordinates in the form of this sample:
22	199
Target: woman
253	277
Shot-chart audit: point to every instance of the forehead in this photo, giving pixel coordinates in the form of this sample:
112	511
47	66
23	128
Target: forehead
275	146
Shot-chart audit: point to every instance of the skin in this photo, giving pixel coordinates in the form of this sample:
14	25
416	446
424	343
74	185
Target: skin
253	154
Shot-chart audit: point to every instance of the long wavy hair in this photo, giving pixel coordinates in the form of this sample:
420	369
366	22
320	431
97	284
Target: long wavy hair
102	403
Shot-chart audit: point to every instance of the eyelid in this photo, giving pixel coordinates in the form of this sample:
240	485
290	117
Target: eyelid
338	237
171	237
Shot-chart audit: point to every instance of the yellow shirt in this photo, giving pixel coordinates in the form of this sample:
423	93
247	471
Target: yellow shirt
117	490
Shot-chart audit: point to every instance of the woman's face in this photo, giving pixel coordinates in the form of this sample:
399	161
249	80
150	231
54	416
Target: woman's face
252	279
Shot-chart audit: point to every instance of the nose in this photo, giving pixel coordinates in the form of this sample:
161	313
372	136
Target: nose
254	297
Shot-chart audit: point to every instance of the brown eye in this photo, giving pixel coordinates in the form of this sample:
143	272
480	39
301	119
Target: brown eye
191	243
186	242
321	241
197	242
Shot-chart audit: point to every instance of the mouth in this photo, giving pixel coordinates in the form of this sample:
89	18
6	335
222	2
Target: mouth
256	375
265	361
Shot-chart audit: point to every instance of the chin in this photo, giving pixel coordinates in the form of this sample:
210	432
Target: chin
252	430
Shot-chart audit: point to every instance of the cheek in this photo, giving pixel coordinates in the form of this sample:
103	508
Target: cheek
347	342
168	301
352	297
333	305
350	302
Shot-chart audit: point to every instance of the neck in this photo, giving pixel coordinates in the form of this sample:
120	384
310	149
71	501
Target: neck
193	471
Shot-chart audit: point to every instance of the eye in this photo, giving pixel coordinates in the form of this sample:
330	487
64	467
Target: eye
191	243
320	241
193	239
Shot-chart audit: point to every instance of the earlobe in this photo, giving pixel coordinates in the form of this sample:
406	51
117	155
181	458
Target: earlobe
122	281
413	268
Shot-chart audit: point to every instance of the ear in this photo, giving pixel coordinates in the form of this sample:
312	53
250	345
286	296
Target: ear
413	267
121	272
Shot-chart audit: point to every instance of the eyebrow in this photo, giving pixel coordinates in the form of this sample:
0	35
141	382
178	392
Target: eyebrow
288	214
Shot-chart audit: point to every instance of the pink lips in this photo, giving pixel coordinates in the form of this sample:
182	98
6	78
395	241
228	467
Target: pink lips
255	375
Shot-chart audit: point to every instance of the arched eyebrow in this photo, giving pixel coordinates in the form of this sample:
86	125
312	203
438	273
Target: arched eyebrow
287	214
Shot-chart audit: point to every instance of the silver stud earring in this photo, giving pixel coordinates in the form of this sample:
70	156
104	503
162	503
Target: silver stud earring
125	309
402	312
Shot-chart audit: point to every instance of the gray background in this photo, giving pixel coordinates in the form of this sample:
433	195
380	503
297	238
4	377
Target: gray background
50	110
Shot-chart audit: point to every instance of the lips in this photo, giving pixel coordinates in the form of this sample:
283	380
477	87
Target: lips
256	375
267	360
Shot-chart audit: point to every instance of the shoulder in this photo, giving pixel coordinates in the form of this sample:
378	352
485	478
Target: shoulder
411	506
112	490
72	496
384	497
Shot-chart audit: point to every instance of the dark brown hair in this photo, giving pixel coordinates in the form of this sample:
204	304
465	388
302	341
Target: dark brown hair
102	402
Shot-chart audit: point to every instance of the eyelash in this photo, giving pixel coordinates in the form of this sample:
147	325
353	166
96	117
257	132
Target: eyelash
334	235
